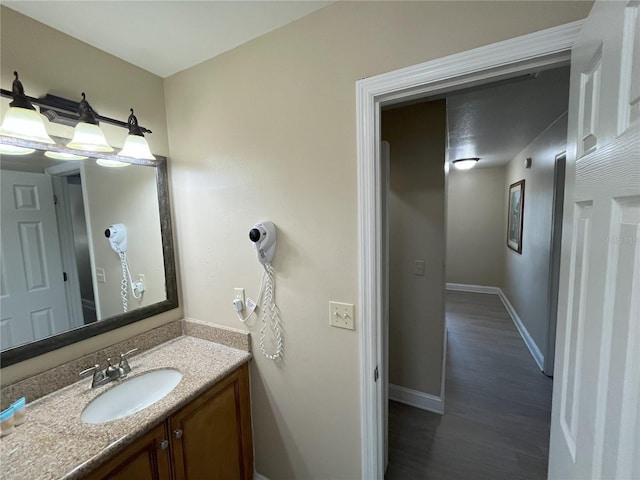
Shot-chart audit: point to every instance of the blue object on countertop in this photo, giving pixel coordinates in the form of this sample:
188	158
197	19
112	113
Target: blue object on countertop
20	403
7	414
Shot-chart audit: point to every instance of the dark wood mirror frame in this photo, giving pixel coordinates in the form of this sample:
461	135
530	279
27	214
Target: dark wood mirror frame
29	350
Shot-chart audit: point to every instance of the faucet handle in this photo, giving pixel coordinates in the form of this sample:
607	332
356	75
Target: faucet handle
98	376
125	355
94	370
124	362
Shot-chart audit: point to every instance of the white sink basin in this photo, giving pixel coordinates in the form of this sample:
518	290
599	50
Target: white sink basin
131	396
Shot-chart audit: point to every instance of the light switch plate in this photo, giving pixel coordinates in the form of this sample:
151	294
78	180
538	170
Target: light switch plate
419	267
100	275
342	315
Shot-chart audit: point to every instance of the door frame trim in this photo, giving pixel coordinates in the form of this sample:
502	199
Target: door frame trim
493	62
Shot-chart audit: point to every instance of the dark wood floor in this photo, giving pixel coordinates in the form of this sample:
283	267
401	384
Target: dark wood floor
497	405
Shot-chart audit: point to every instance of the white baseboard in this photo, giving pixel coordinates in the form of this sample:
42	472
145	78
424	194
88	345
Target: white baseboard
461	287
257	476
416	399
524	333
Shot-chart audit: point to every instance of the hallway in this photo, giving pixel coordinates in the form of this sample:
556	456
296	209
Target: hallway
497	404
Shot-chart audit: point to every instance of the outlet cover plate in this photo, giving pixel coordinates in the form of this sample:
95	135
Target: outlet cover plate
342	315
238	293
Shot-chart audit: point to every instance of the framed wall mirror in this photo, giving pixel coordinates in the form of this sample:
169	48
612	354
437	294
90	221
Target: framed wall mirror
62	279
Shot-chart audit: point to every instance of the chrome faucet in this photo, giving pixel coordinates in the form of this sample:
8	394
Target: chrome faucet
111	373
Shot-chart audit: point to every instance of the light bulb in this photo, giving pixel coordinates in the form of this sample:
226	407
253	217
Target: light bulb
135	146
90	138
25	124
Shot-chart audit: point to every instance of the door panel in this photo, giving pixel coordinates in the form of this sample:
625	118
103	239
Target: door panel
147	458
33	302
595	425
211	437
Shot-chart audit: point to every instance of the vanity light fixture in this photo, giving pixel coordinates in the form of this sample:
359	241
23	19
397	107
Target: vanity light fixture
135	145
22	121
63	156
88	135
14	150
103	162
465	163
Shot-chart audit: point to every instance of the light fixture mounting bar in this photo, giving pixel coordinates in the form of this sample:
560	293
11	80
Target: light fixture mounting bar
64	111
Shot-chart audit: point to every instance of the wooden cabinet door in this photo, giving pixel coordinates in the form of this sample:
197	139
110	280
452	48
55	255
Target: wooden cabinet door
211	437
147	458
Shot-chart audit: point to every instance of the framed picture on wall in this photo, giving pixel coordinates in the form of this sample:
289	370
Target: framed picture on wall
515	212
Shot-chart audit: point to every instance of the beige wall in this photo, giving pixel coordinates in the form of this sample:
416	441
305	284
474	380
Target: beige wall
51	62
476	226
526	279
417	137
268	131
127	195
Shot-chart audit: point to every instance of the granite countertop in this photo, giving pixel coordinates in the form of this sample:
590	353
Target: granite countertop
54	443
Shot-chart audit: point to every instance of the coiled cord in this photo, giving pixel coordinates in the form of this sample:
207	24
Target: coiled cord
124	283
270	315
124	286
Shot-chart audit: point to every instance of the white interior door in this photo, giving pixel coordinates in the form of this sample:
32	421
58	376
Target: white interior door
32	293
385	169
595	427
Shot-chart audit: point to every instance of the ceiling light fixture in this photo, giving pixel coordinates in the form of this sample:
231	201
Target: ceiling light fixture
135	145
88	135
22	122
465	163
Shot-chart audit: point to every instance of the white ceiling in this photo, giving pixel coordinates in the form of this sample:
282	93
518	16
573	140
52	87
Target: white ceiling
165	37
496	122
493	122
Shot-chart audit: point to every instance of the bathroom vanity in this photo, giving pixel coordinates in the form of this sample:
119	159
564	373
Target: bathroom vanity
210	437
200	429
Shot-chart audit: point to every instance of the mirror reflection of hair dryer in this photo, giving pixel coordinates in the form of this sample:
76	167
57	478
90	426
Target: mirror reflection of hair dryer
117	236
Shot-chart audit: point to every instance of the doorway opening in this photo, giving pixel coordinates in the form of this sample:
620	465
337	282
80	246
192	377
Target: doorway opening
487	64
456	218
74	245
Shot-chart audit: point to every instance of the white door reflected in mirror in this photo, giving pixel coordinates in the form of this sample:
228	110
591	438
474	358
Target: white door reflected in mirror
57	271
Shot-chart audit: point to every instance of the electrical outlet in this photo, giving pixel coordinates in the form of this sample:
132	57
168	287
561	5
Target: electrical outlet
419	267
140	283
238	294
342	315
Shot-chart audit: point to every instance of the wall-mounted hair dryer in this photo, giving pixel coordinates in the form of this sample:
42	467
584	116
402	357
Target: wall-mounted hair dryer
117	235
263	235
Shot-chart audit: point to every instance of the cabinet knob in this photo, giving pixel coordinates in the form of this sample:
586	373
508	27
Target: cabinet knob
178	433
164	444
